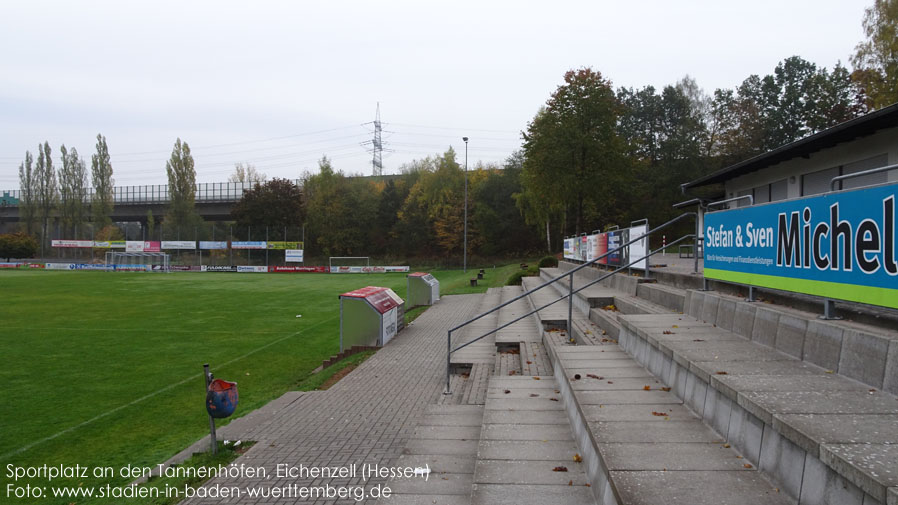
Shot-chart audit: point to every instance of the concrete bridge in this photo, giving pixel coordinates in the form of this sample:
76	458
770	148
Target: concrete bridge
214	202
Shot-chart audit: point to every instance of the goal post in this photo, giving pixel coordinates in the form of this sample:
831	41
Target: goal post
348	261
138	261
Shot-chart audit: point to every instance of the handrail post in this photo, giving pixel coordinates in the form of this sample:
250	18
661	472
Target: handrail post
570	307
698	213
448	354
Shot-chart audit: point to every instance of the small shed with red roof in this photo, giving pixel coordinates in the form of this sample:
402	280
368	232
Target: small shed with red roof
370	316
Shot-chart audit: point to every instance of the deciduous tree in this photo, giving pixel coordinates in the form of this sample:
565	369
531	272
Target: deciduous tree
103	183
181	212
27	194
47	189
876	59
246	172
72	189
572	149
18	245
276	203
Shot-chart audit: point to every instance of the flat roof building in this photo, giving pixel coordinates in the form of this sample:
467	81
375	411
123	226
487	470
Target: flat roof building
806	167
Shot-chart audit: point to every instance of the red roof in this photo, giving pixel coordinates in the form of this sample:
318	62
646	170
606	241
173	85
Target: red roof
382	299
418	274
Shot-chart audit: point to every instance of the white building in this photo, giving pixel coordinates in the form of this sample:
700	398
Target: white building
806	167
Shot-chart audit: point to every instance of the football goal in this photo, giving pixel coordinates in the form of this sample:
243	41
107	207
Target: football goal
348	261
137	261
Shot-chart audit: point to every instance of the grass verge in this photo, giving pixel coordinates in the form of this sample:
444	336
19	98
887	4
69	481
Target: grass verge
322	379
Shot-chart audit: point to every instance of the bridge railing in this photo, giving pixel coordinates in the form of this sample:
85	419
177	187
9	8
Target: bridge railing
157	193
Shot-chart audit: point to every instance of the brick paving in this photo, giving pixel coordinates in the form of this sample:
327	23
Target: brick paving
366	418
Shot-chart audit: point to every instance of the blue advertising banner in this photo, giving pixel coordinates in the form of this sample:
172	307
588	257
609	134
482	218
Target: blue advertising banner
837	245
213	245
249	245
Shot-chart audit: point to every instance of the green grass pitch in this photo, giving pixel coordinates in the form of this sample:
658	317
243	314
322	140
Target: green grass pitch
105	369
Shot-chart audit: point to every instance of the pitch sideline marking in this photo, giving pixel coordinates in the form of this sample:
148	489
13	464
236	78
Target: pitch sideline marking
142	398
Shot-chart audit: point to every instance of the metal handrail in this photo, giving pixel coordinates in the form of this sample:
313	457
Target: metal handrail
751	201
569	273
834	180
581	288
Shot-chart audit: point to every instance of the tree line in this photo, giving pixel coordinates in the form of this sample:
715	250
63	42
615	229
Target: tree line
592	156
417	214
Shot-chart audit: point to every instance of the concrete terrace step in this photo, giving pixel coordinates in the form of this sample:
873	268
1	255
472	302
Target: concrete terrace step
482	351
586	332
521	331
862	352
597	295
535	360
524	439
822	437
640	444
636	305
445	441
554	315
622	282
663	295
592	301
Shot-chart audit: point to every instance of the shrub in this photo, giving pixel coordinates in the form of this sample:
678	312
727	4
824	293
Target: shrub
515	278
18	245
548	262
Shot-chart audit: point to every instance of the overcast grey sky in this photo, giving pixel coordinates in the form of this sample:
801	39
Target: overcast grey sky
279	84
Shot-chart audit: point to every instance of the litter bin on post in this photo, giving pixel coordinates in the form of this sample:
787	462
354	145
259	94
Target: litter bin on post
370	316
423	289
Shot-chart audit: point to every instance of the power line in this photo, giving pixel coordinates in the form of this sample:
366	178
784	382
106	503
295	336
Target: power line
456	129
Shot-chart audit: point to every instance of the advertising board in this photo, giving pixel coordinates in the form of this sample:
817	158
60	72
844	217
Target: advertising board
179	244
838	245
213	245
248	245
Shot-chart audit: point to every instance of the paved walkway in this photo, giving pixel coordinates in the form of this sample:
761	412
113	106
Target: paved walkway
365	419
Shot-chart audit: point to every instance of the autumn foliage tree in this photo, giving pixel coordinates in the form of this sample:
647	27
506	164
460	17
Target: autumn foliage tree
18	245
277	204
876	59
572	149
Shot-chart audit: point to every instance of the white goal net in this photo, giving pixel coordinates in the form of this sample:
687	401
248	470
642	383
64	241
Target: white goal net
137	261
348	261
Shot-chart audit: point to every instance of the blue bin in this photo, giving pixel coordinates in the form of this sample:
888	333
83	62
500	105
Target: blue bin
221	398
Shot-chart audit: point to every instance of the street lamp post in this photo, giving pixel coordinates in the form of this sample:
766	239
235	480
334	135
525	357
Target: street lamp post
465	261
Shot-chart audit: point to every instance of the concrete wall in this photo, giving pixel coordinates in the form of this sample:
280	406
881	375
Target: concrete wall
801	474
882	142
866	354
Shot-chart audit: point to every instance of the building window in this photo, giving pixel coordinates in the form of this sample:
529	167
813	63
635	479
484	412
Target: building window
818	182
866	180
779	190
761	194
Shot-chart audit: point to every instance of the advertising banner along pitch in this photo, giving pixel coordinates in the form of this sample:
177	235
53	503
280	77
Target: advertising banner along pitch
284	245
179	244
210	245
589	247
72	243
248	245
837	245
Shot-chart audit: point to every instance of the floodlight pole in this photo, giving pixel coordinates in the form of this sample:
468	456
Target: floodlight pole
465	260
